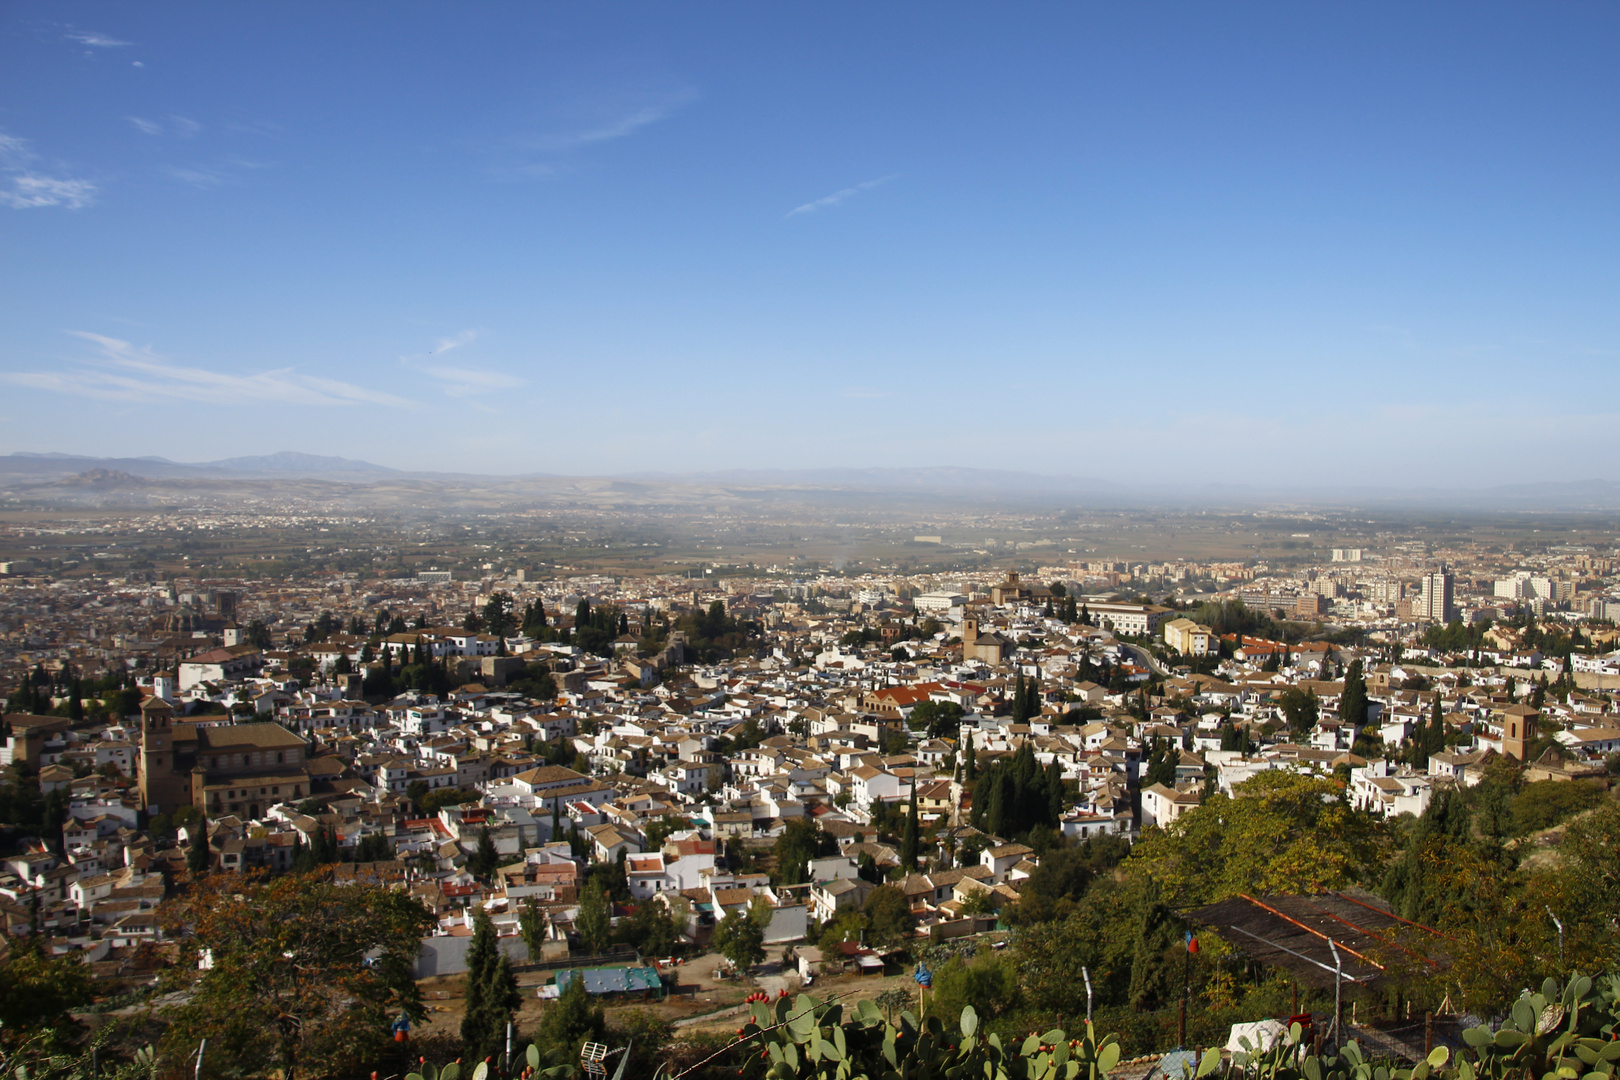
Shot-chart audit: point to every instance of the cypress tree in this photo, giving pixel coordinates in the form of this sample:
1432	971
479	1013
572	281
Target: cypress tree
199	857
482	958
485	860
996	813
1353	702
324	848
1054	793
908	839
501	1000
1152	975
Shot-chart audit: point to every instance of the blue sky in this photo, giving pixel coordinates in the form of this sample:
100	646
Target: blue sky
1300	242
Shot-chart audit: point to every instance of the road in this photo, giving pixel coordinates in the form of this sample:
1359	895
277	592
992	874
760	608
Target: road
1146	659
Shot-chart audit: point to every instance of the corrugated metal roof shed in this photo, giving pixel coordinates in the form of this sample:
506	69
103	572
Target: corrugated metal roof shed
1294	932
613	980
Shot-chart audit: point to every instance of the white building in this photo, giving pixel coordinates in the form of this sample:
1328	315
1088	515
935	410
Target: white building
938	603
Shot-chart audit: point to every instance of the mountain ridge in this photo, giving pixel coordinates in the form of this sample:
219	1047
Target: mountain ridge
37	471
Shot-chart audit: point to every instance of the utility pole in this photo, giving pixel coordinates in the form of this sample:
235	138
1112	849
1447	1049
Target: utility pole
1338	1000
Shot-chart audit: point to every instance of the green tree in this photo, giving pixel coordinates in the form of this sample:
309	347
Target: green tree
801	840
534	620
198	856
938	718
1153	964
532	925
416	791
498	617
37	990
1545	803
500	1001
569	1022
324	845
1435	737
908	838
650	930
1064	878
1353	701
990	984
1301	708
485	860
1279	832
595	920
306	975
740	939
888	916
373	847
482	954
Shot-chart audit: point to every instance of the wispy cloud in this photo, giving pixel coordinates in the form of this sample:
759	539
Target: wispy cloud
460	380
619	122
444	345
182	126
606	121
122	372
24	185
94	40
467	382
214	174
828	201
202	178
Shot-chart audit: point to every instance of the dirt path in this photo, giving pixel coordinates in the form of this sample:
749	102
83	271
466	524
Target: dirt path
848	989
702	1002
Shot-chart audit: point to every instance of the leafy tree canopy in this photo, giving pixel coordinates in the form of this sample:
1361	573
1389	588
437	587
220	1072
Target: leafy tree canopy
306	974
1280	832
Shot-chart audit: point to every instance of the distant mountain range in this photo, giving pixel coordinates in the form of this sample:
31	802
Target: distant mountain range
286	463
75	478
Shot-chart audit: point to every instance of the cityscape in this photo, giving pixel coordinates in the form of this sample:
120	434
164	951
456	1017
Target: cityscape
494	715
